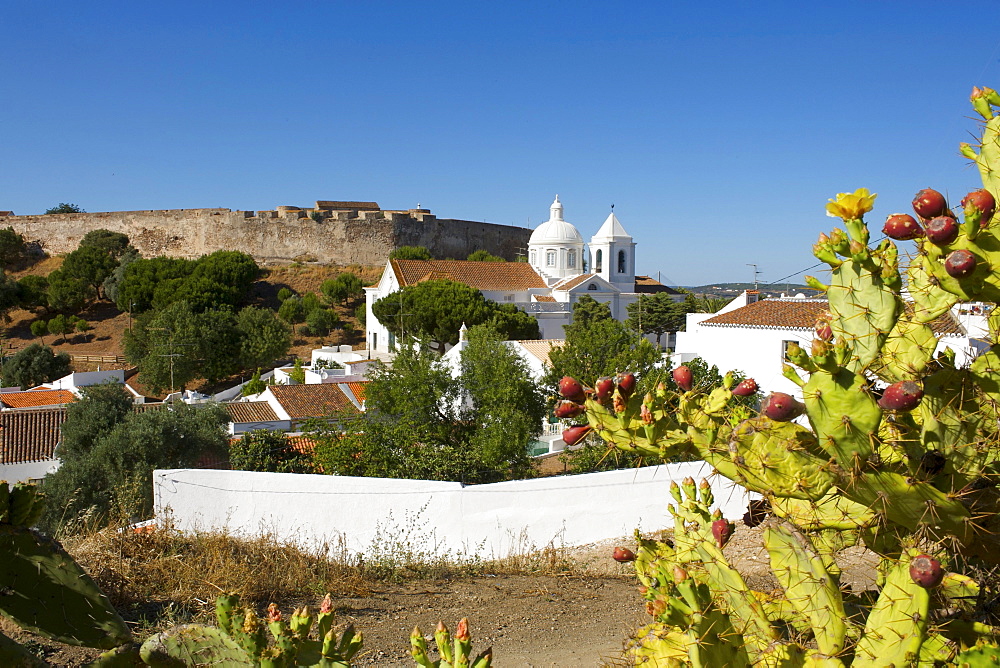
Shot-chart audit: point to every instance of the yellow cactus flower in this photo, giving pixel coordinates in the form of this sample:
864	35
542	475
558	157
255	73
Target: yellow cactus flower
851	206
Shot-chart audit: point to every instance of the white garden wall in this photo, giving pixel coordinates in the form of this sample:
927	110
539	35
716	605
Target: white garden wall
487	520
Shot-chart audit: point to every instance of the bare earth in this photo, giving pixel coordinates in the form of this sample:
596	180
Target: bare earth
578	619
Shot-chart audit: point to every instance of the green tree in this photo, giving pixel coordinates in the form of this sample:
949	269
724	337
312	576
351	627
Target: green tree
113	244
587	311
310	302
263	337
109	453
292	312
410	253
142	277
68	293
165	345
32	292
284	293
434	311
81	326
657	314
253	386
343	288
65	207
39	328
320	321
113	282
90	264
506	405
361	314
423	422
34	365
12	246
268	452
60	326
484	256
297	374
10	295
601	348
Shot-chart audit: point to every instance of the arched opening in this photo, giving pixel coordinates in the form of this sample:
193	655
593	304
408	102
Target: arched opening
621	262
597	260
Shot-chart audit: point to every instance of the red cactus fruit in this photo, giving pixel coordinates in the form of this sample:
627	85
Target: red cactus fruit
604	387
623	555
745	388
929	203
567	409
570	388
656	608
960	263
902	227
626	384
756	513
941	230
902	396
462	630
926	571
574	435
782	407
824	331
722	530
683	377
273	613
327	605
983	201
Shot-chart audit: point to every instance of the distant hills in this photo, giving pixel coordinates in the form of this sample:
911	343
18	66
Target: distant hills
734	289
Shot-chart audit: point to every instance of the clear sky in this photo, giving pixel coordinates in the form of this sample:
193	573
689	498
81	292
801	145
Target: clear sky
718	129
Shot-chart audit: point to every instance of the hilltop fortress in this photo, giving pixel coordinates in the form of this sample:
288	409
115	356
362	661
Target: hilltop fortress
331	232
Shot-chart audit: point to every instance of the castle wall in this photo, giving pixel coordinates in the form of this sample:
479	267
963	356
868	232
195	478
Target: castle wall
364	237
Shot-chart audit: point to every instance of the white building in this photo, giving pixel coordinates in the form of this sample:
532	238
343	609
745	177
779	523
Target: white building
751	336
546	286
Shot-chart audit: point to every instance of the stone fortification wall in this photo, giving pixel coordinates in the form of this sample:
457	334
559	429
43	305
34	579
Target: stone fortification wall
343	237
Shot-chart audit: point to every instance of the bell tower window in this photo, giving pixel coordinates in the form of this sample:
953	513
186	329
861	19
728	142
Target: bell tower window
621	262
598	260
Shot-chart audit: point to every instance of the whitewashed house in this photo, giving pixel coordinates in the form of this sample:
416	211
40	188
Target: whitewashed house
751	335
558	271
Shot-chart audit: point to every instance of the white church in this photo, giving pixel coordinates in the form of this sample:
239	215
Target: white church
559	269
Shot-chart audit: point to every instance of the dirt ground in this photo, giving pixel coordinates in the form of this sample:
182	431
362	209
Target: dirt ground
581	618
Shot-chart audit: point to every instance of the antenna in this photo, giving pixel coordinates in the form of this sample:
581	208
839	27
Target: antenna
755	274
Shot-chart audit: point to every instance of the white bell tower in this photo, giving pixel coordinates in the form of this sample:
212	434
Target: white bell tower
612	253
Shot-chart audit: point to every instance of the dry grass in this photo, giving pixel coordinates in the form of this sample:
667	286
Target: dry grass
188	571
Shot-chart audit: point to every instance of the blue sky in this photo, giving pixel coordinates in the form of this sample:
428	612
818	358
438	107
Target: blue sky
718	129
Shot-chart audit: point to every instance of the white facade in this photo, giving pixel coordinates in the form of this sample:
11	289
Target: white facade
556	253
759	351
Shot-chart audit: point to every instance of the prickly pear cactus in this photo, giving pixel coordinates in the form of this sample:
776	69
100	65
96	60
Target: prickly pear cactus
454	653
889	441
43	590
242	639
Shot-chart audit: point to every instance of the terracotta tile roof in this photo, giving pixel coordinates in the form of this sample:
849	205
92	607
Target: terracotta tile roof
647	285
540	348
251	411
30	435
571	283
799	314
544	298
307	401
358	389
35	398
302	444
480	275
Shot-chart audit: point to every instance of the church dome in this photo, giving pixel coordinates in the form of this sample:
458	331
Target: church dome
556	230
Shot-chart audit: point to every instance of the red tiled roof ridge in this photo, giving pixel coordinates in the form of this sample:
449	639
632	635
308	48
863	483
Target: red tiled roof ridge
791	313
480	275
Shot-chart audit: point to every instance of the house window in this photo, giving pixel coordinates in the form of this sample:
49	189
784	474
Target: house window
571	259
621	262
784	349
374	340
592	286
392	341
508	298
597	261
550	258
